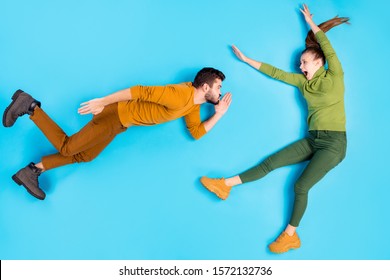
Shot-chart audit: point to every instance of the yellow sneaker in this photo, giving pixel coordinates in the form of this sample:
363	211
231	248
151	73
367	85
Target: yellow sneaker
216	186
284	243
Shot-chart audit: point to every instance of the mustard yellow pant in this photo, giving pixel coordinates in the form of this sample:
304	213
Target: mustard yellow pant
82	146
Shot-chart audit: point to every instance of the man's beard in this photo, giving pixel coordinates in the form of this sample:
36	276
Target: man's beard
212	102
208	100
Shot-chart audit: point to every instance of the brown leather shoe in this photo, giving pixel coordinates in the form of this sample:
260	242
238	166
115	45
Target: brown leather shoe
22	103
216	186
28	177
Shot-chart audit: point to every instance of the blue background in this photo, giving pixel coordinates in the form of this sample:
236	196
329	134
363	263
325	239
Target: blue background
141	198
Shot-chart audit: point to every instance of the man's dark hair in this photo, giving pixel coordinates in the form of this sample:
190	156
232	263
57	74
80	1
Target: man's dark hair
207	76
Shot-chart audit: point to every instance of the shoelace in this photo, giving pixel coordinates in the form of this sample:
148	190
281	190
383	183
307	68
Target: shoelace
35	170
22	113
282	236
35	176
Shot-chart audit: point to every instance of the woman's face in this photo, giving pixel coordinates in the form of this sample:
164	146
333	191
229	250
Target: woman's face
309	65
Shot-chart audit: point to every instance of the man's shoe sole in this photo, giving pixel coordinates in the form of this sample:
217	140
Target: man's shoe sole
20	183
14	97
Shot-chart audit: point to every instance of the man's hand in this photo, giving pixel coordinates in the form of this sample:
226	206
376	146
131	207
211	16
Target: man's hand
220	110
94	106
223	104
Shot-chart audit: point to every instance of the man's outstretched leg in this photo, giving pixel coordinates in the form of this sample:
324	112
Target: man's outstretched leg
22	103
28	176
83	146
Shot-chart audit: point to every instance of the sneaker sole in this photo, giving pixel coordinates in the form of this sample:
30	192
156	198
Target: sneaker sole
20	183
291	248
215	191
14	97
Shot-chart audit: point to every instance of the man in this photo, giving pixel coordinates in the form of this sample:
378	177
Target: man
113	114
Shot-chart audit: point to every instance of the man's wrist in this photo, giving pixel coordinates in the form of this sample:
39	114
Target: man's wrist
219	114
104	101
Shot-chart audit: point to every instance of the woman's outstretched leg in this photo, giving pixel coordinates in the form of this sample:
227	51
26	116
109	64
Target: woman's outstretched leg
297	152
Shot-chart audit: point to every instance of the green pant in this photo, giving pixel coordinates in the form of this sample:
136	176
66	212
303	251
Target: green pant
323	149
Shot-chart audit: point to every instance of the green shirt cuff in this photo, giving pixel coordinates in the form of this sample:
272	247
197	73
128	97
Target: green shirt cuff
266	68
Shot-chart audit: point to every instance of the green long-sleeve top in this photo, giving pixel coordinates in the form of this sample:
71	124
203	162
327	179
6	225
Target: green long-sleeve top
324	93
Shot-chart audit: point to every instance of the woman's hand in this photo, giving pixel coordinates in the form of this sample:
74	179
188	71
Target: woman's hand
306	12
94	106
255	64
239	54
309	18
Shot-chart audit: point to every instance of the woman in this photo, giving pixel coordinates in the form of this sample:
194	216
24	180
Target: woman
325	145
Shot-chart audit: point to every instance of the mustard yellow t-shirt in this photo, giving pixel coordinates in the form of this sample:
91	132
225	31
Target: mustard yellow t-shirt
152	105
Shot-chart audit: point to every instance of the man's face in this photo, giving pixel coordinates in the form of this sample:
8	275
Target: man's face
214	93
